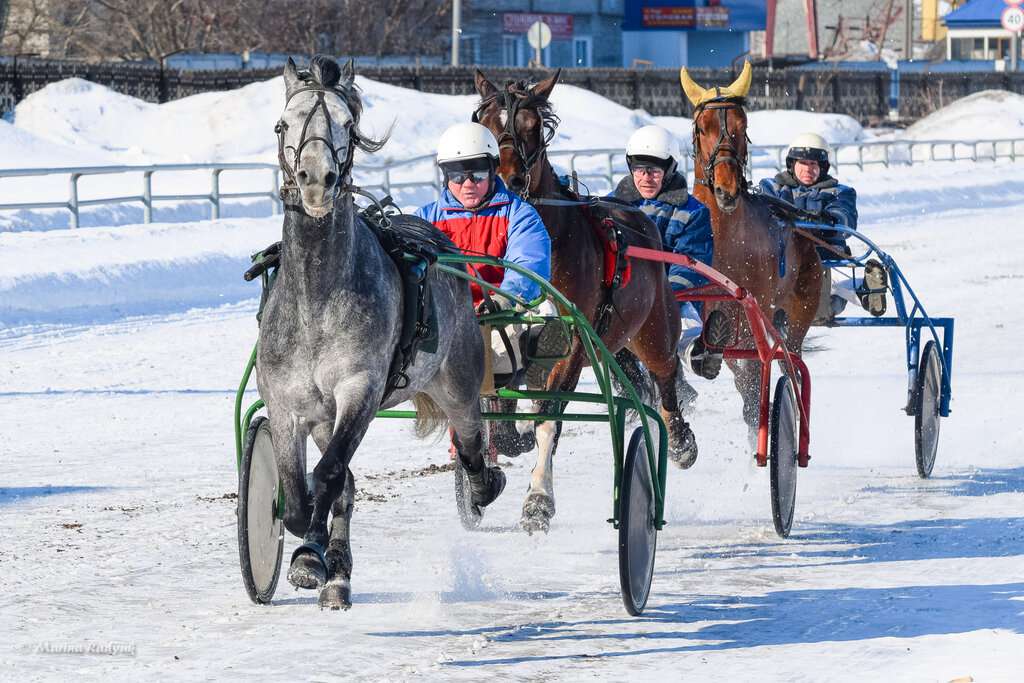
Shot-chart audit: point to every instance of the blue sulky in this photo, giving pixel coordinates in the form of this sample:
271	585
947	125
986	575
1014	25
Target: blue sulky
912	319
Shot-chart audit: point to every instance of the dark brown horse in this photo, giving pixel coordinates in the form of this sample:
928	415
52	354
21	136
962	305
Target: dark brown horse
641	316
752	247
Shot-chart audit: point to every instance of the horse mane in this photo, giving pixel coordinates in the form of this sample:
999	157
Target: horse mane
325	73
521	89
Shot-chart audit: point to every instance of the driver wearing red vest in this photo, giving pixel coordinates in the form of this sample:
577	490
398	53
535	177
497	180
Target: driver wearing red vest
482	217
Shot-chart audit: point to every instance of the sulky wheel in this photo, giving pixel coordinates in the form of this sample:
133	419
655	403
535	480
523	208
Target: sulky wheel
260	527
928	393
638	535
785	439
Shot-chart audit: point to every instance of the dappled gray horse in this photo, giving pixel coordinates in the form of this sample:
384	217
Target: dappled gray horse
330	328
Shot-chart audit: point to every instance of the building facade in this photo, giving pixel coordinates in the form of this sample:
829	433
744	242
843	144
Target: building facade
974	33
698	33
583	32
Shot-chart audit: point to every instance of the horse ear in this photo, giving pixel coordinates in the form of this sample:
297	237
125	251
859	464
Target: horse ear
291	75
484	86
694	92
348	73
741	86
544	88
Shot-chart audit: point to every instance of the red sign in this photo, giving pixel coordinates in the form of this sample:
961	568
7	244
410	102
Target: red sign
714	16
670	17
520	22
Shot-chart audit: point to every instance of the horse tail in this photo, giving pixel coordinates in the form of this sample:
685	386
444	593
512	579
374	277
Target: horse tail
638	375
429	416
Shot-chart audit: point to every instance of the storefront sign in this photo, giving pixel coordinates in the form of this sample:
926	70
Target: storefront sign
520	22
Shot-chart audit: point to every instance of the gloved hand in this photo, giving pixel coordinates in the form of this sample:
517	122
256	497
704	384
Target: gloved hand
812	202
499	302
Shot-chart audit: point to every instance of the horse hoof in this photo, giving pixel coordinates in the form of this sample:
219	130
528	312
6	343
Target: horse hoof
336	595
537	513
308	568
486	487
682	445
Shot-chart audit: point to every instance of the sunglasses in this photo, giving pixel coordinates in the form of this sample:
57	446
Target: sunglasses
647	170
459	177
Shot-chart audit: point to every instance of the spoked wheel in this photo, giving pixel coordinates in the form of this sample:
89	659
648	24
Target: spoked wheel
260	526
785	440
638	533
928	391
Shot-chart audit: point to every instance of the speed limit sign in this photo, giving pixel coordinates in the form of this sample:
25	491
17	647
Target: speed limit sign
1013	19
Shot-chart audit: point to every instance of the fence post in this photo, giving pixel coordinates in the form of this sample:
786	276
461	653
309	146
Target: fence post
215	193
73	199
147	196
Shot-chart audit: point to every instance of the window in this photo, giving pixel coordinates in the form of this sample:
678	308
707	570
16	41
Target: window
511	51
581	50
469	49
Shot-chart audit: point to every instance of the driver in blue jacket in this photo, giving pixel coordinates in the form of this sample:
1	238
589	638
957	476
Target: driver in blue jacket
656	188
806	184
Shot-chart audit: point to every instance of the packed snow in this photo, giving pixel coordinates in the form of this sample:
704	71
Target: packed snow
122	347
985	115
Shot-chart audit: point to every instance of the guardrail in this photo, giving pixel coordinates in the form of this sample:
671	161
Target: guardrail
603	165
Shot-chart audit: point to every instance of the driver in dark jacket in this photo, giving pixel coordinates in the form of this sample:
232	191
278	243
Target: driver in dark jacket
807	185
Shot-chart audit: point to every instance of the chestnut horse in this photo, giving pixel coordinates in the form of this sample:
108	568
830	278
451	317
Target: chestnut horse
643	316
753	248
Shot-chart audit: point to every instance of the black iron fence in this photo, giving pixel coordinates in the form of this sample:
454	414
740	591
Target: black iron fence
864	95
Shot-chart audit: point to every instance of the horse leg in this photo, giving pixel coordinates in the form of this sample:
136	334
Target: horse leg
505	435
655	345
290	453
539	506
337	591
747	378
356	408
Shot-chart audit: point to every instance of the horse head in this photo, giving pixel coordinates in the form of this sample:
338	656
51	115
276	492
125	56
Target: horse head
720	136
318	132
521	118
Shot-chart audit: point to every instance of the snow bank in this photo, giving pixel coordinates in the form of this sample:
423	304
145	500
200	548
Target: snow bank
986	115
103	274
237	125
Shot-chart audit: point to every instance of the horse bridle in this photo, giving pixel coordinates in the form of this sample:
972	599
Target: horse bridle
723	144
512	102
290	184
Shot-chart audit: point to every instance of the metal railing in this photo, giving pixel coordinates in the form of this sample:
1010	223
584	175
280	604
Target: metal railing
603	165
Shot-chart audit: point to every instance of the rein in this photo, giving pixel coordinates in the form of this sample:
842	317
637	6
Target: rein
723	144
290	184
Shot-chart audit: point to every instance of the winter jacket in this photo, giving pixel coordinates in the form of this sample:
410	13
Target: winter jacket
684	223
826	197
505	227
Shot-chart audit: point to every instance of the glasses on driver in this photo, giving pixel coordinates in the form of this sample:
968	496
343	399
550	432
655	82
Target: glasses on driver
476	177
652	171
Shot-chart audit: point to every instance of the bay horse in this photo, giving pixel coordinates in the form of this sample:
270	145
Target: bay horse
331	325
642	317
753	248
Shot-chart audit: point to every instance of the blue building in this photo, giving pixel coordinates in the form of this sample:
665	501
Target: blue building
975	33
672	33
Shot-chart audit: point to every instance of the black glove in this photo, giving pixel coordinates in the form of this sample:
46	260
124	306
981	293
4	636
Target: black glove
495	304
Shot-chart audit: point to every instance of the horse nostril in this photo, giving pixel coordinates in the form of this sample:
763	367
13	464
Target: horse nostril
330	179
302	176
516	183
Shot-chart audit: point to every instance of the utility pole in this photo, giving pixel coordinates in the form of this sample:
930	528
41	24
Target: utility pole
908	34
456	30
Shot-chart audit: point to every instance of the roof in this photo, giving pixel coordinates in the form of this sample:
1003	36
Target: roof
976	14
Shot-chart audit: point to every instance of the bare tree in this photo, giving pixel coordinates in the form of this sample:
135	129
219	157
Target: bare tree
153	29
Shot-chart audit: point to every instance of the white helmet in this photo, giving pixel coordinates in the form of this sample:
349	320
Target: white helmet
808	147
466	141
656	142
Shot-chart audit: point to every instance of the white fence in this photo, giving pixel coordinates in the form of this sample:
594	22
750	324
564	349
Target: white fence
592	166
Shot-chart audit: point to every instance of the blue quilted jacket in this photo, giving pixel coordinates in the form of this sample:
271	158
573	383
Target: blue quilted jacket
826	197
684	223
